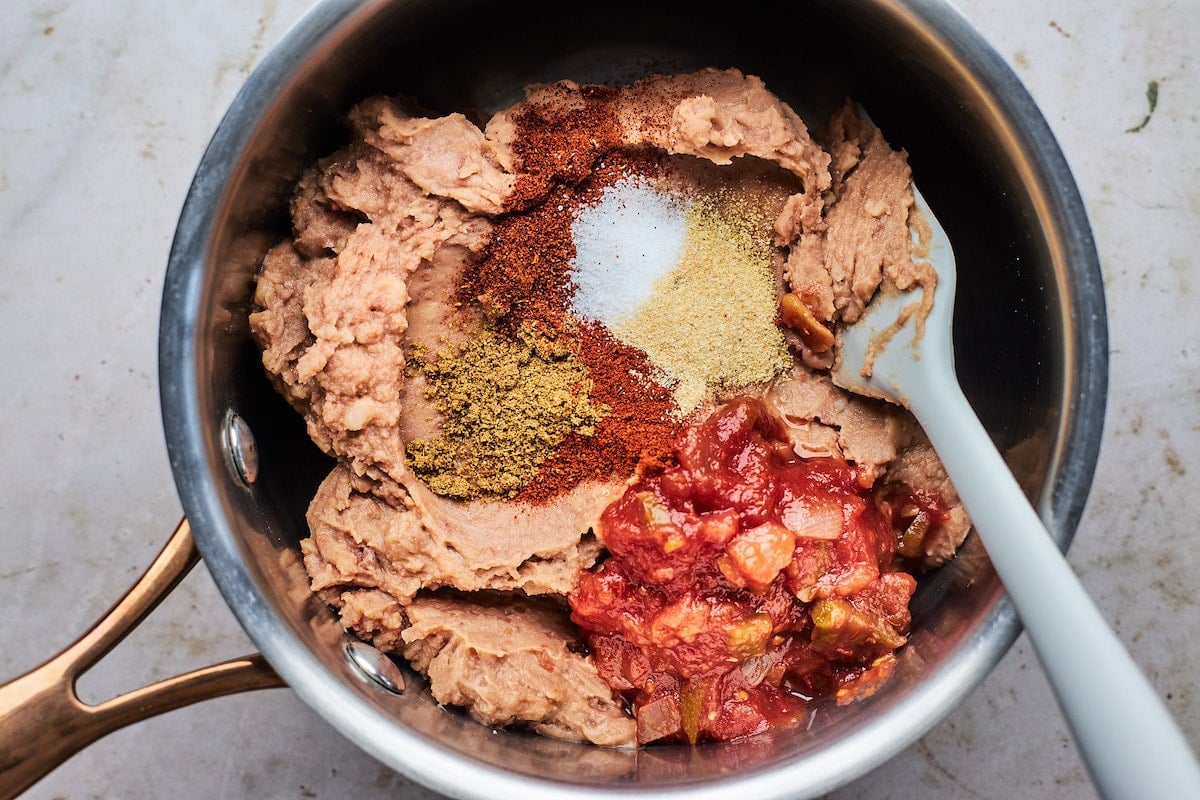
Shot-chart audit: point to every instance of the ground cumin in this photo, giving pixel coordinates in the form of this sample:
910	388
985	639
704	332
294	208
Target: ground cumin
507	403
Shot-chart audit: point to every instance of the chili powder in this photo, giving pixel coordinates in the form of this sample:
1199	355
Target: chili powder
523	281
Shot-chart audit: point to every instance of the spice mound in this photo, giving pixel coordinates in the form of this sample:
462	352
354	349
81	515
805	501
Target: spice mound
593	477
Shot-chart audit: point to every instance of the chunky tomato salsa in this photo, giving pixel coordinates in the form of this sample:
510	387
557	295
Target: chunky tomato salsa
742	583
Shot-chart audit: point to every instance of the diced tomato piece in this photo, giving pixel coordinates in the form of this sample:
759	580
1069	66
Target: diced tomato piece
760	553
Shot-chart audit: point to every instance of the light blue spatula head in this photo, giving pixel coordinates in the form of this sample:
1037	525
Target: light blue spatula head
887	341
1126	735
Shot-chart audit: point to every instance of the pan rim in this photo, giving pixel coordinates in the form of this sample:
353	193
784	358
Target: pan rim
194	460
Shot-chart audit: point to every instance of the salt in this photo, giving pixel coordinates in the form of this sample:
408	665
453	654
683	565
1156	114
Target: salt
624	243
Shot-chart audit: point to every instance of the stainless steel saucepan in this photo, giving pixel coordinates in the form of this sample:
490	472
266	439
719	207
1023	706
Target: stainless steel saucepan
1031	348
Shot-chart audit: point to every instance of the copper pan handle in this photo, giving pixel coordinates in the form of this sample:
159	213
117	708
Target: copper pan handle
42	720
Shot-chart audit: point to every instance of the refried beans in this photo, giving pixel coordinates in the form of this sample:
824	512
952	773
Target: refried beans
592	475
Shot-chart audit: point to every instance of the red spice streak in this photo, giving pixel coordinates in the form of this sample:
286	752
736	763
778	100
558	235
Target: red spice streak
566	157
636	434
704	615
560	143
524	275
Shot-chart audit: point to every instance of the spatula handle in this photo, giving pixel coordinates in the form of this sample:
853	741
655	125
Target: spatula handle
1129	741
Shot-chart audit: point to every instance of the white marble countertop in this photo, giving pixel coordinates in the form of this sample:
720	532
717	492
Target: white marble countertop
105	109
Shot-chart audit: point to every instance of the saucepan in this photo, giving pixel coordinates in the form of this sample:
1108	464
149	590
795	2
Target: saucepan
1030	335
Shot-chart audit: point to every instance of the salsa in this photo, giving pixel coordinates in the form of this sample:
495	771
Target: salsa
742	583
915	513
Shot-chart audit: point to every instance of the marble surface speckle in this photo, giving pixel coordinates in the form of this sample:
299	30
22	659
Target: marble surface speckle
105	109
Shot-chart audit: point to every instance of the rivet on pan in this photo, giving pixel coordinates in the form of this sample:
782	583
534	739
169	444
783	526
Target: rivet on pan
374	665
240	446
